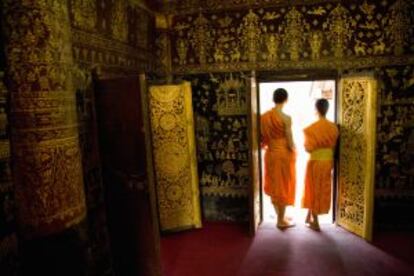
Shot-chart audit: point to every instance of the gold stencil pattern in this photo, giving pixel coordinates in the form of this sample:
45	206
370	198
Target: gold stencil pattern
297	35
47	163
174	156
357	154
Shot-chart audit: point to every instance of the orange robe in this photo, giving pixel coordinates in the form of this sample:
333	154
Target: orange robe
279	161
320	142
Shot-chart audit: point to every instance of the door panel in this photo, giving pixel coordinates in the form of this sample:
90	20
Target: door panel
175	161
254	162
134	232
357	118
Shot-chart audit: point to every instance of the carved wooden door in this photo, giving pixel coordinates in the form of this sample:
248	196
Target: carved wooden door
357	119
254	158
133	228
175	161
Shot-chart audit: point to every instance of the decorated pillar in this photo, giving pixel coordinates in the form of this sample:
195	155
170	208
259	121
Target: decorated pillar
44	132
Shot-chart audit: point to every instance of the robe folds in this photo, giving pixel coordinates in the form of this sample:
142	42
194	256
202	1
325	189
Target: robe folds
279	160
320	142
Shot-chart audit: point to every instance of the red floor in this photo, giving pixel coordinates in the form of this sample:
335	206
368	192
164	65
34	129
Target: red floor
221	249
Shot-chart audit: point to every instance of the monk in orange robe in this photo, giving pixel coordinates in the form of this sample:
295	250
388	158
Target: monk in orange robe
320	142
279	159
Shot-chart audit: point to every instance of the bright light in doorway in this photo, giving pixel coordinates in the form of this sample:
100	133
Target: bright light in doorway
300	106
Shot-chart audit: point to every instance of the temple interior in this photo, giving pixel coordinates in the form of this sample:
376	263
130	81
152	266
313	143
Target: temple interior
130	135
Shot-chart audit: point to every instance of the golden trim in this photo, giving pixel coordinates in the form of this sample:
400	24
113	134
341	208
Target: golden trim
330	63
193	155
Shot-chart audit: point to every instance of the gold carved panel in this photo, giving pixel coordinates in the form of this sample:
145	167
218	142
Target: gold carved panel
357	109
173	141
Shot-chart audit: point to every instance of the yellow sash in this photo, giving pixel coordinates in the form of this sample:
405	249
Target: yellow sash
322	154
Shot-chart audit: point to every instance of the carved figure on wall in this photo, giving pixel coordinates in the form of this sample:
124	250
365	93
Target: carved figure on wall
379	46
235	55
182	49
272	42
360	48
200	38
315	41
398	26
250	35
231	98
339	30
218	55
293	36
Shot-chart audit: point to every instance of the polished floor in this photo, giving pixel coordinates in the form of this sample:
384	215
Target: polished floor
221	249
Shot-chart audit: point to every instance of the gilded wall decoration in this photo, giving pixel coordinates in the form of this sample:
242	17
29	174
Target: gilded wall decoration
394	193
222	146
324	34
250	32
293	37
200	38
172	129
399	28
120	20
84	14
231	97
48	176
339	30
122	41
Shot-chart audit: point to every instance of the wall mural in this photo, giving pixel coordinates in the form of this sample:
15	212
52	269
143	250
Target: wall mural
114	36
395	148
322	35
219	103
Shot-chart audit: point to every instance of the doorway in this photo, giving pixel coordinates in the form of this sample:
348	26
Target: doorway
300	106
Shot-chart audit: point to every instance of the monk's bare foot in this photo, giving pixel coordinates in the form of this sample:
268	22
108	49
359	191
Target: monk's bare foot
285	224
314	226
308	218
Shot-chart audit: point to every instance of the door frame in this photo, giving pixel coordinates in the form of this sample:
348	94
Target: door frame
291	76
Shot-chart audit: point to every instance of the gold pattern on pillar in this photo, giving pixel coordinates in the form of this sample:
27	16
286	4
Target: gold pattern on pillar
339	30
44	132
200	38
119	20
250	35
84	14
174	152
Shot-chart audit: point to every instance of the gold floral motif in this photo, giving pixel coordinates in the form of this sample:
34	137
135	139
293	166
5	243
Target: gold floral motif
173	145
200	38
250	32
357	154
48	174
293	37
339	29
